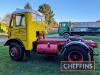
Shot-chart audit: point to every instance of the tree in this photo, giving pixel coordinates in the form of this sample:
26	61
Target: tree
98	21
28	6
1	30
46	10
0	26
6	18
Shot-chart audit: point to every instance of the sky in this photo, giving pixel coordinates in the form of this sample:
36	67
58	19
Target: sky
65	10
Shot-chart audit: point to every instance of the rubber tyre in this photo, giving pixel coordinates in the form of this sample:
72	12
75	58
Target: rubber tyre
66	35
16	52
79	49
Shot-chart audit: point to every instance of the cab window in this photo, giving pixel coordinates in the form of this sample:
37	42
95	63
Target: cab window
20	20
63	25
37	18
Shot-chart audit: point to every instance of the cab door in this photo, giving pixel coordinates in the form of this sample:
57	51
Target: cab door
20	27
18	30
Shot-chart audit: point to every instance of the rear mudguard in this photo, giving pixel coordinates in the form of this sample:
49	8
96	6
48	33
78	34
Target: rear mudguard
77	43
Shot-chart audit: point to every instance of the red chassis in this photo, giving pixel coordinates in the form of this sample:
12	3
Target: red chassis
45	45
56	46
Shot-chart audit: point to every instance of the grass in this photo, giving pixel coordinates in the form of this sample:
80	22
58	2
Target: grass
40	64
94	38
52	32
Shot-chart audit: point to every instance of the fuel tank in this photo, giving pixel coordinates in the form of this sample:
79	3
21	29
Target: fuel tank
47	48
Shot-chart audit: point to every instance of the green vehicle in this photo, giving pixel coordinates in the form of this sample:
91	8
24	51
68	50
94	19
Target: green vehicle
65	30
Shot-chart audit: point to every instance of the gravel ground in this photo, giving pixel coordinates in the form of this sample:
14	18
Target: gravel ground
3	39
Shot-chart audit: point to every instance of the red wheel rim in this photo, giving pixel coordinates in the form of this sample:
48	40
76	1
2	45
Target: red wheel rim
75	56
14	52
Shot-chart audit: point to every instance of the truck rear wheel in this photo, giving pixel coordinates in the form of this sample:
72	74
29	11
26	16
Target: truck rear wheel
76	53
16	52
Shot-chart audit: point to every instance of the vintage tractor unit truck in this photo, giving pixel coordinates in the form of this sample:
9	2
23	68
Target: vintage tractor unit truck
27	31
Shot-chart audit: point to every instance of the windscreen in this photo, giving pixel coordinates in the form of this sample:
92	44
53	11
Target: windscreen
37	17
63	25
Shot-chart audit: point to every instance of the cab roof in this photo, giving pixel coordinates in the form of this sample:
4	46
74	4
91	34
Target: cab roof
19	11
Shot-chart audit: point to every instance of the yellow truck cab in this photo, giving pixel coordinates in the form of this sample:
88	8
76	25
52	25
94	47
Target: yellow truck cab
26	27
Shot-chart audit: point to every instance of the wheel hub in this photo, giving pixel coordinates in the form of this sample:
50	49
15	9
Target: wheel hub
14	52
75	56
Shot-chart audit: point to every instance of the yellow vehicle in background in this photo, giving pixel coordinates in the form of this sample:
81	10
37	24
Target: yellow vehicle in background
3	27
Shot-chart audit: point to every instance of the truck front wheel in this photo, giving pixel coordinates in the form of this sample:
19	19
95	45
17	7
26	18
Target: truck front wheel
76	53
16	52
